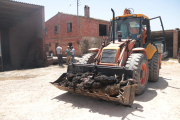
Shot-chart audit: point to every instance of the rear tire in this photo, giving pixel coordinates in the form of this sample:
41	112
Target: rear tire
139	63
154	68
87	58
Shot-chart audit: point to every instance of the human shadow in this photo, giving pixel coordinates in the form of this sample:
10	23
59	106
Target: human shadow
100	106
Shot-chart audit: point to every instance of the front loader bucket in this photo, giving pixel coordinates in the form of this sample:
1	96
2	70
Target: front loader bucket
110	83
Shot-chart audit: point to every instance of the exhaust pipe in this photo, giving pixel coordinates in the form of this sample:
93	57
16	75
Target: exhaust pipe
113	24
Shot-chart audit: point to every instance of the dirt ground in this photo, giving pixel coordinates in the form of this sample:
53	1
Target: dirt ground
28	95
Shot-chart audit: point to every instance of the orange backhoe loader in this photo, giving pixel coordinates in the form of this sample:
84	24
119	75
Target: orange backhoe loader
122	68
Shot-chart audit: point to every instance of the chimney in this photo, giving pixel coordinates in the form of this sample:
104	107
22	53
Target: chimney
86	11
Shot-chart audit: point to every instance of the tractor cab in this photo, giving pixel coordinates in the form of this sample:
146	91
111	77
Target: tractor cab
132	26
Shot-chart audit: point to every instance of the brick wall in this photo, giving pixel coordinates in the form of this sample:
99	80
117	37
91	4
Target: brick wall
175	43
89	31
50	26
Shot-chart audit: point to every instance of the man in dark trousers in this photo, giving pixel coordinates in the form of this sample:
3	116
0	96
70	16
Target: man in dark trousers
59	54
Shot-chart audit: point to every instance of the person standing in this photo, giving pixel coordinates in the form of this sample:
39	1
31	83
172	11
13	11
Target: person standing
59	54
68	52
73	54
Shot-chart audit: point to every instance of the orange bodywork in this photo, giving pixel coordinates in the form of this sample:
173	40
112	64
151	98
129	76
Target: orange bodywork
127	50
124	49
112	46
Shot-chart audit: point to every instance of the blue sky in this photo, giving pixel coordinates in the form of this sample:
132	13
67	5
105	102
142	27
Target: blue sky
169	10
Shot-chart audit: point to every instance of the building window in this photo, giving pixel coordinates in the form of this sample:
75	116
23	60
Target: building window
47	47
70	44
102	30
46	31
69	27
56	29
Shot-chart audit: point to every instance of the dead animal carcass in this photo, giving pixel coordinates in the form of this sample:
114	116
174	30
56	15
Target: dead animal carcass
89	81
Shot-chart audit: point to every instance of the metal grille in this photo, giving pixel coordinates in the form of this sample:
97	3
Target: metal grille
108	56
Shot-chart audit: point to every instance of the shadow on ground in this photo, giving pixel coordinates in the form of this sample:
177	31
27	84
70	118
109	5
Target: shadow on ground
99	106
150	92
165	59
113	109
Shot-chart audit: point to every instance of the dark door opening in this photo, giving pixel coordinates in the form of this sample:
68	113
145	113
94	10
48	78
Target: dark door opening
21	48
102	30
178	41
5	50
1	61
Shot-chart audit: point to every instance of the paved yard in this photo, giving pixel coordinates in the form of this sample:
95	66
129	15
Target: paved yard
27	95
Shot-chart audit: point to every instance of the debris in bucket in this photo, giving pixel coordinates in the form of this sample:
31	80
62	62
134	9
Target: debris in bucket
96	83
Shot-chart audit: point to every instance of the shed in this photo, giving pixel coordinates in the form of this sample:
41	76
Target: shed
21	37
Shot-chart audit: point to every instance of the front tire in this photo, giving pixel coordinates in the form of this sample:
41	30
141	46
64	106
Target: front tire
139	63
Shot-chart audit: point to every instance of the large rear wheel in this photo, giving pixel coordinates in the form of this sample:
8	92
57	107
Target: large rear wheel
154	68
139	63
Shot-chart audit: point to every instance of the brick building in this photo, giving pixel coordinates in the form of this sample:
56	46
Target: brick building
81	32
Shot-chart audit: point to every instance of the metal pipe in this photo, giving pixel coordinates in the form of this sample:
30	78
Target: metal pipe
164	34
163	31
154	18
113	29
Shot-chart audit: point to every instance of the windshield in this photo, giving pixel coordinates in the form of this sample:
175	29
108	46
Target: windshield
130	28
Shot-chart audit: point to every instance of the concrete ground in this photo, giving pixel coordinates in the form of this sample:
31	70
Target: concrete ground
27	95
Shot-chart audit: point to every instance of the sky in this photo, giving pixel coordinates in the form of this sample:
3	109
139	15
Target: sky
101	9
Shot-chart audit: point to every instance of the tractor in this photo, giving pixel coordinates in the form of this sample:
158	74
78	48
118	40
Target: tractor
119	69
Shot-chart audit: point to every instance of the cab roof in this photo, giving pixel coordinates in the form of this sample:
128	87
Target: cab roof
137	15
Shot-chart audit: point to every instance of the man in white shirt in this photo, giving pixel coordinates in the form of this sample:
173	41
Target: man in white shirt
73	54
59	54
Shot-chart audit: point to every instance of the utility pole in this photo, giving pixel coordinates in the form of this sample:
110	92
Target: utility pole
77	6
77	14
